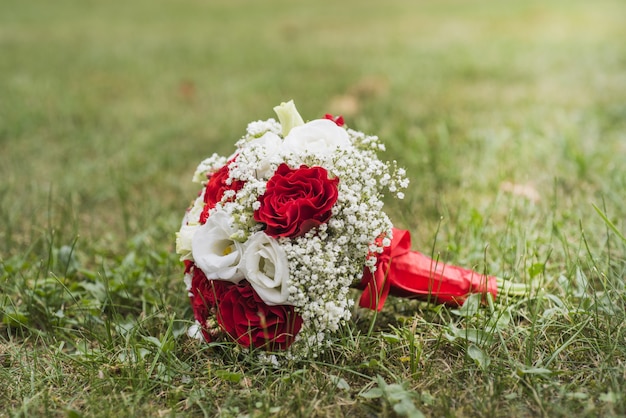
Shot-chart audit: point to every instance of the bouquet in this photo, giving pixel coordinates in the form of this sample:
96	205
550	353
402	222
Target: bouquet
283	228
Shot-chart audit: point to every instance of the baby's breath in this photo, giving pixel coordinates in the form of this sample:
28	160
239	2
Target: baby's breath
257	129
208	167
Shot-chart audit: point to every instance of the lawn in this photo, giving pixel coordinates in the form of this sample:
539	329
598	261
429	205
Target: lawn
510	118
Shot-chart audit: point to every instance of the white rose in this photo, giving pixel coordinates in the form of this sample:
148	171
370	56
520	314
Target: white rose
183	241
266	268
288	116
267	147
188	227
320	136
215	252
192	217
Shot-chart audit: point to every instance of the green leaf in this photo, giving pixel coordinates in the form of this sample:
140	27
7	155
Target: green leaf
479	356
577	395
396	392
536	269
96	289
15	319
502	320
371	364
72	413
229	376
534	370
610	397
581	282
427	398
392	338
153	340
470	306
407	408
373	393
478	336
168	345
339	382
473	335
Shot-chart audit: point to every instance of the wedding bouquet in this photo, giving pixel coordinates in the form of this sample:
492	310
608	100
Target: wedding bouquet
285	226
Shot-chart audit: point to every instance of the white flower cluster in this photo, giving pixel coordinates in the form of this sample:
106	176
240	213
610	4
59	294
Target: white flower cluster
312	272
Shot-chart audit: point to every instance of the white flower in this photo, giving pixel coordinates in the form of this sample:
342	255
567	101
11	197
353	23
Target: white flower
266	267
288	116
267	147
183	241
195	332
320	136
214	251
192	216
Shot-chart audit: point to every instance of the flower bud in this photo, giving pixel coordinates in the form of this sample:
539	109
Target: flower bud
288	116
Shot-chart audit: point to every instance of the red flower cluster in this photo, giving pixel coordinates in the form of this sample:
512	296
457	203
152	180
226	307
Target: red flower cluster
250	322
214	191
241	313
296	200
205	293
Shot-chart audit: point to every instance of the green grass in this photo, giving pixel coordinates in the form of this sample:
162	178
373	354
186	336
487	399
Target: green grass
510	118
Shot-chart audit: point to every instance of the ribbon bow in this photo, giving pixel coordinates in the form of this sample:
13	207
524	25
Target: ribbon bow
405	273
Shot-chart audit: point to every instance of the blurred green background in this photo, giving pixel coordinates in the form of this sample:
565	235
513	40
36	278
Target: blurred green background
106	107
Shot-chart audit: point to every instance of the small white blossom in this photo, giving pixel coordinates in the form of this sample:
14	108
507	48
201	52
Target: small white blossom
261	127
208	167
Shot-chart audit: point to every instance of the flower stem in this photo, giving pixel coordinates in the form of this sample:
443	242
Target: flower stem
508	288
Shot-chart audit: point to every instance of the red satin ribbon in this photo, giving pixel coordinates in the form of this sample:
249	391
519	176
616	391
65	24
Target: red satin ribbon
410	274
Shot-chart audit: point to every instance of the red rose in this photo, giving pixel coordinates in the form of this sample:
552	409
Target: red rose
205	295
250	322
296	200
215	188
337	119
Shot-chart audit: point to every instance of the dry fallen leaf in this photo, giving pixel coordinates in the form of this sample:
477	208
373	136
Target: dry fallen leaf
526	191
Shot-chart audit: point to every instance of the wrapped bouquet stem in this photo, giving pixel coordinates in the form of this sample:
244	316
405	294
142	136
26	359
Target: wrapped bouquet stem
410	274
283	227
